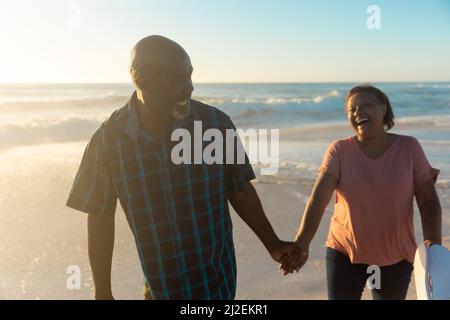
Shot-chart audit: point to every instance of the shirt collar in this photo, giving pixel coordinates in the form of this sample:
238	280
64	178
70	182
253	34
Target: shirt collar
133	120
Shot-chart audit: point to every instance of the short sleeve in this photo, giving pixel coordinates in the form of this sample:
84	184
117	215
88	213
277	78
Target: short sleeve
93	191
331	162
238	172
423	172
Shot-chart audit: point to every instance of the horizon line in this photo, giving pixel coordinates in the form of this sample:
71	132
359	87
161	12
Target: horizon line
228	82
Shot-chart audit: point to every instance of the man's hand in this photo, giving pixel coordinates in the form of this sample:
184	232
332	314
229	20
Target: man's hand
103	296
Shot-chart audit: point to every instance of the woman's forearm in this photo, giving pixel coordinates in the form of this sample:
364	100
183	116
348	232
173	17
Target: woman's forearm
431	216
315	207
312	216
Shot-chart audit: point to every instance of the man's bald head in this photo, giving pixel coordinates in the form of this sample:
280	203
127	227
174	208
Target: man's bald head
155	54
161	71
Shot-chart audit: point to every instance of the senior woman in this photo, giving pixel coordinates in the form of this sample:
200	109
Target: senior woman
376	176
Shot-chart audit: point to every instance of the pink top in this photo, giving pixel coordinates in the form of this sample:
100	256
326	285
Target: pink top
373	213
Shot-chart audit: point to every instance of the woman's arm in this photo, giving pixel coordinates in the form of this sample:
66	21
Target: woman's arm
430	213
320	197
315	207
248	206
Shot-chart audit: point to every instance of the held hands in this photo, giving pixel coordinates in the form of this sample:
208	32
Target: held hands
295	254
296	260
291	256
282	250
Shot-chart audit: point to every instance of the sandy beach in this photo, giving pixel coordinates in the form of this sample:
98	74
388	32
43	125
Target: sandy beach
43	237
42	139
149	86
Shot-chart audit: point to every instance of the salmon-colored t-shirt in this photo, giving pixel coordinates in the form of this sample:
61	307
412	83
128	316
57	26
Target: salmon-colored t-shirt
373	213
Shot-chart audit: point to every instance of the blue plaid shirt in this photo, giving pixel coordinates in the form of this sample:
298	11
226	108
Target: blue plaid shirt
178	214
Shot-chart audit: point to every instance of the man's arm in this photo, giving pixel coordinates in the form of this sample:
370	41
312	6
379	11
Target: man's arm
100	248
248	206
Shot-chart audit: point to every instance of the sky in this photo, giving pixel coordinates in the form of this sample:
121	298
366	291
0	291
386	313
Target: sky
85	41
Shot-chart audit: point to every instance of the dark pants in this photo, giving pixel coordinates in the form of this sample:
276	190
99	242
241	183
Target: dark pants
346	281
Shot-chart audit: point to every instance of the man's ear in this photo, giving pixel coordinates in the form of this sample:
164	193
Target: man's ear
147	83
138	83
135	83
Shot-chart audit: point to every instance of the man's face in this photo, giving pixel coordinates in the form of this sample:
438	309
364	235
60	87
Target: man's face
168	87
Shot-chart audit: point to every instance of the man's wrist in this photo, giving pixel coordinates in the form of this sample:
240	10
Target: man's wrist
104	297
103	294
273	244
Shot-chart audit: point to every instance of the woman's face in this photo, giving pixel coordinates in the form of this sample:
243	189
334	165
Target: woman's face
365	113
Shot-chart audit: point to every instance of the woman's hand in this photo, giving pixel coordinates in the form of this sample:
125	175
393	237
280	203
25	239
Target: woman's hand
429	243
320	197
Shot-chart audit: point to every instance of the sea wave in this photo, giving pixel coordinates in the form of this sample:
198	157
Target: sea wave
275	100
69	101
111	99
435	120
74	127
41	131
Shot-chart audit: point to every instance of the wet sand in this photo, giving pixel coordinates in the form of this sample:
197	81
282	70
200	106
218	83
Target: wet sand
41	238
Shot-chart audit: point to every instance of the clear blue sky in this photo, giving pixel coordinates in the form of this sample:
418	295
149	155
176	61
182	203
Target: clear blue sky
228	40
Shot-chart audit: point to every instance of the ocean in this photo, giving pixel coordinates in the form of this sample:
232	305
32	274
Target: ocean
44	129
42	114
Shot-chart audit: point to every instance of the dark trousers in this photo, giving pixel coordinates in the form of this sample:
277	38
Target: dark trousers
346	281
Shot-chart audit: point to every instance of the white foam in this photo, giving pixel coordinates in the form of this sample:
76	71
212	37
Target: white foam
274	100
319	99
438	121
39	131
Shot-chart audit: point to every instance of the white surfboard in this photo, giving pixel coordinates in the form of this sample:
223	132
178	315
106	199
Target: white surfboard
432	272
